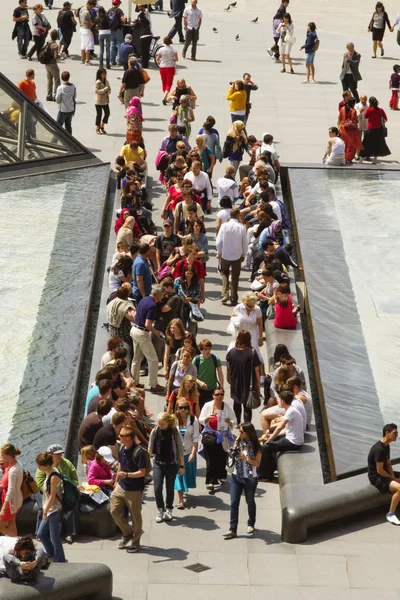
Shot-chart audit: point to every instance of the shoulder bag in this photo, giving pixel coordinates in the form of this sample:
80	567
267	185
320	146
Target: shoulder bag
253	397
384	128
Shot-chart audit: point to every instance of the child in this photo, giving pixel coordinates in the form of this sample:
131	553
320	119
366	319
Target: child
394	85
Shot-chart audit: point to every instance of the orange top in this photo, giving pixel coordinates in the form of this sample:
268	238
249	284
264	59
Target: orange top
28	88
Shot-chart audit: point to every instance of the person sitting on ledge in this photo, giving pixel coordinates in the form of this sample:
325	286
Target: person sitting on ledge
293	423
20	560
380	472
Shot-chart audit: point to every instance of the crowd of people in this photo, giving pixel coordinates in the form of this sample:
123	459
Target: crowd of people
157	286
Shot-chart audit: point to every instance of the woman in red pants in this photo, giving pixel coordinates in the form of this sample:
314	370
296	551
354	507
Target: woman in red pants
349	133
167	59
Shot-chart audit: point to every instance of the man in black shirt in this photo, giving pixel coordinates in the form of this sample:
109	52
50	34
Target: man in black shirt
380	472
129	490
21	29
165	242
131	81
92	423
107	435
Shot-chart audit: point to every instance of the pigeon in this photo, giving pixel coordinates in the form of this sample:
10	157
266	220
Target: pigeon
215	30
254	20
237	38
233	4
228	8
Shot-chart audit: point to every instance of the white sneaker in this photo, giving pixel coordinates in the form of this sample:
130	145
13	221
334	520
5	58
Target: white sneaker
160	516
168	514
392	519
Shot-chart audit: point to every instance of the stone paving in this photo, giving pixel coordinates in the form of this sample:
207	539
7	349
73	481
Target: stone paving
352	560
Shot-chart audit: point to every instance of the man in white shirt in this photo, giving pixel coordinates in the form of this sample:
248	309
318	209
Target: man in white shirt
227	185
192	18
268	146
293	424
231	247
201	185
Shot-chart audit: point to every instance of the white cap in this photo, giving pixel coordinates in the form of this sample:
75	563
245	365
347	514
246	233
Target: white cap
106	453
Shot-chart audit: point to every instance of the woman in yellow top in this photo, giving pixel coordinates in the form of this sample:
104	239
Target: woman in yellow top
237	97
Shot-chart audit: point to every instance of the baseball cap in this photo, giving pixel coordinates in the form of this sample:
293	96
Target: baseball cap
116	2
55	449
67	4
106	453
128	37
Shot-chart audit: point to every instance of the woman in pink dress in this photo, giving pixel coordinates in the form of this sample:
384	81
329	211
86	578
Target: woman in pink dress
285	317
349	132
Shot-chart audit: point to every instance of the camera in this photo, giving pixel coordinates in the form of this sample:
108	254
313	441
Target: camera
233	454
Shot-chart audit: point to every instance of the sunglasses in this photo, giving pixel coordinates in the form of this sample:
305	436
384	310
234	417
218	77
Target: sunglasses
183	408
125	435
219	394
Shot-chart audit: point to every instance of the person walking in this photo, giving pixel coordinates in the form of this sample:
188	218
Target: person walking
52	70
140	333
177	8
394	85
286	41
102	90
374	140
10	487
132	80
53	490
167	59
66	99
67	25
87	23
237	101
21	29
128	492
166	446
231	245
310	47
349	133
40	27
350	75
377	26
192	19
104	32
116	19
243	371
244	478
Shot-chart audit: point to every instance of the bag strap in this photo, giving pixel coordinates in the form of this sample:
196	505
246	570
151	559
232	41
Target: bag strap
251	371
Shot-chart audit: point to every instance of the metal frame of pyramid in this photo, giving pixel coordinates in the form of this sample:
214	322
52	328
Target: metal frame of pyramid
31	138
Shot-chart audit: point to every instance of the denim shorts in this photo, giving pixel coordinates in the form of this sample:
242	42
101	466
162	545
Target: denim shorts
310	58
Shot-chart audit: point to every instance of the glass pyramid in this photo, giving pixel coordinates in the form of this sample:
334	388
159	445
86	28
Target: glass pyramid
28	133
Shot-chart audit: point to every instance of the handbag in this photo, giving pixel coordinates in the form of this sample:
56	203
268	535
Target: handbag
28	485
290	39
195	313
146	76
271	312
257	285
384	128
209	439
349	125
253	397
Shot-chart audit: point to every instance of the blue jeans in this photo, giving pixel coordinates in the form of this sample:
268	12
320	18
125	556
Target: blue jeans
117	37
50	536
104	40
238	118
23	39
249	486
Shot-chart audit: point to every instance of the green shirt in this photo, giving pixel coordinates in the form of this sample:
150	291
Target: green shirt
65	467
207	370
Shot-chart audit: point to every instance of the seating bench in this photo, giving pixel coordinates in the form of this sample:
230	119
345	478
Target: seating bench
98	523
61	581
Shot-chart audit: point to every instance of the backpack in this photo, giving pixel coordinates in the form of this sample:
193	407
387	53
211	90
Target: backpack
114	18
46	54
197	364
148	462
70	496
28	485
316	45
64	20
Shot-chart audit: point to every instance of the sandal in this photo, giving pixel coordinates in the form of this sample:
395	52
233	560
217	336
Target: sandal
180	506
98	131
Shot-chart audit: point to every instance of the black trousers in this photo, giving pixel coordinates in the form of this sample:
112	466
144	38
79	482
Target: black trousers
39	41
192	37
349	83
269	452
67	37
177	29
99	110
247	413
145	43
